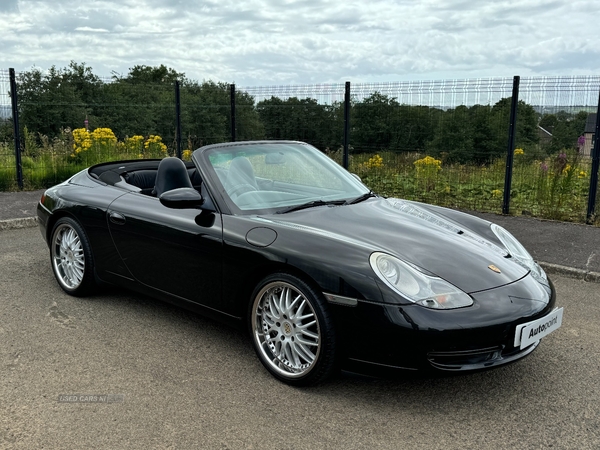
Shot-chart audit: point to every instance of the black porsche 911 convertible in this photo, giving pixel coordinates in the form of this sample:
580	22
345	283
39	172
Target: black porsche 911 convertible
275	236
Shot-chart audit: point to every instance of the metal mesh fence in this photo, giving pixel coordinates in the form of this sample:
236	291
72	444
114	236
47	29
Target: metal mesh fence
72	120
308	113
132	108
205	114
443	142
7	148
553	180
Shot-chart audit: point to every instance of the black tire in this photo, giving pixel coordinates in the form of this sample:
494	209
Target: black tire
292	330
71	257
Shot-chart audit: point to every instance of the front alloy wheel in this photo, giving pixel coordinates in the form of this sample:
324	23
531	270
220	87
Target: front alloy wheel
291	329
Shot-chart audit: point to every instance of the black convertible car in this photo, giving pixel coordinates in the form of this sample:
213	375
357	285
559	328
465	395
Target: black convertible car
277	237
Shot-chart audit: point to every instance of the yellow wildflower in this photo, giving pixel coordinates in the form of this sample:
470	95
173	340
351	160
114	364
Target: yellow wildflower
82	140
428	165
103	136
134	144
374	162
154	144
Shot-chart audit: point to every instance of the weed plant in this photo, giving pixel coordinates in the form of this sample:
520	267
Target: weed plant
554	187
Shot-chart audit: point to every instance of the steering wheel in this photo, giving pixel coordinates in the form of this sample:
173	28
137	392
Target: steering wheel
239	189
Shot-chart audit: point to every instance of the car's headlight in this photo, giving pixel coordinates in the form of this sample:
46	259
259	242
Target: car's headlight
414	285
517	251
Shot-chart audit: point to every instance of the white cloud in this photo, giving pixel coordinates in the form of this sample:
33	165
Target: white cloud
257	42
92	30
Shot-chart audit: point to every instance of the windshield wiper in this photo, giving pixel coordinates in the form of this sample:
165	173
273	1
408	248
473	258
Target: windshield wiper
311	204
361	198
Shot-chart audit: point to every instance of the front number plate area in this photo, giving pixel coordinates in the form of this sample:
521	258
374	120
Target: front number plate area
530	332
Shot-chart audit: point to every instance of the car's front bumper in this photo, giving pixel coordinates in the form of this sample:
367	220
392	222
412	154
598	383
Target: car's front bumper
43	214
473	338
477	359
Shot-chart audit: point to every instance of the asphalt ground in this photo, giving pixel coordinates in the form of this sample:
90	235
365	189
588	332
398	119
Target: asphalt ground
563	248
166	378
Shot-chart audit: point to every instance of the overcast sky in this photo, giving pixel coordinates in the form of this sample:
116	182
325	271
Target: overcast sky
266	42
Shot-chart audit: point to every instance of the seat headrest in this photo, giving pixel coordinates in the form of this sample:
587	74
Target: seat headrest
172	174
241	172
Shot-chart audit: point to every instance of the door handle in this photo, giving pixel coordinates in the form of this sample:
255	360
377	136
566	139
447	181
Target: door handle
116	218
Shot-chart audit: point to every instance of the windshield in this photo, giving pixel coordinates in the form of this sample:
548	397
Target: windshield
266	176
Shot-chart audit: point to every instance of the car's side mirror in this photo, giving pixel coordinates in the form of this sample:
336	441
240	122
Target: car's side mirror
181	198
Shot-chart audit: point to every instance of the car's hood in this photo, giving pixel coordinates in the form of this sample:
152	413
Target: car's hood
414	234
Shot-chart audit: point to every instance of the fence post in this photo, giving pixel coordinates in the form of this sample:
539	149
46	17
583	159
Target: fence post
512	131
15	115
178	118
346	125
595	165
232	95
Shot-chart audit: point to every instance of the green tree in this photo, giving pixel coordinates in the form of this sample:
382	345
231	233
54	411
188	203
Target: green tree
527	136
381	123
453	138
142	74
249	126
414	127
57	99
548	121
487	138
142	102
374	123
298	119
565	128
206	114
6	130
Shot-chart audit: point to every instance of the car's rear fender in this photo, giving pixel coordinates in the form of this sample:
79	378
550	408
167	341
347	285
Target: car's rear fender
88	208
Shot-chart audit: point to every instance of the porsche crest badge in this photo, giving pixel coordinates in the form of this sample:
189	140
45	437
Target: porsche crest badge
494	268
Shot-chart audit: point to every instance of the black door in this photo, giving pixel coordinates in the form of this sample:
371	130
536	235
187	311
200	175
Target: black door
169	249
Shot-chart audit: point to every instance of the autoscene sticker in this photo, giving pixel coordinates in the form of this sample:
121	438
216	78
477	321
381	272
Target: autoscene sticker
528	333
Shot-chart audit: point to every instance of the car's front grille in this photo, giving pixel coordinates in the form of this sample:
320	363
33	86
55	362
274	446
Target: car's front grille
456	360
477	359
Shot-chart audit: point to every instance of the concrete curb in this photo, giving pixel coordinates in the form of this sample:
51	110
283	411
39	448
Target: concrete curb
552	269
25	222
571	272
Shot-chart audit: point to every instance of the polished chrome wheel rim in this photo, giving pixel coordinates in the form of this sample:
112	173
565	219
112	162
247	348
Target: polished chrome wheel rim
286	329
68	257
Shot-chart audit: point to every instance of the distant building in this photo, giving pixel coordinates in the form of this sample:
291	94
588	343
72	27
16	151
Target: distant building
590	135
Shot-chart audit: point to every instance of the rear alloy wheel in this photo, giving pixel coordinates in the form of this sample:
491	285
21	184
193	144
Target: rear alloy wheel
292	331
71	257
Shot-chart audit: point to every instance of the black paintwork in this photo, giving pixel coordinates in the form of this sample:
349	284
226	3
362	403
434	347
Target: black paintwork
209	260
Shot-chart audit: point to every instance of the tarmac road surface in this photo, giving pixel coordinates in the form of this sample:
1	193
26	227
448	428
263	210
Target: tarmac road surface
155	376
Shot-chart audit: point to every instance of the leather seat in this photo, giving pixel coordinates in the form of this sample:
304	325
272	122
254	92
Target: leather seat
241	173
171	174
144	179
195	178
